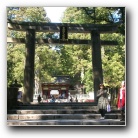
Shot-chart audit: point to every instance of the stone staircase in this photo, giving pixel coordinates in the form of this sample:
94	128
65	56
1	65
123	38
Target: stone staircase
59	114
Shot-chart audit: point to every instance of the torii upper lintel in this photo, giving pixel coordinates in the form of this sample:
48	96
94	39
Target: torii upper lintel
55	27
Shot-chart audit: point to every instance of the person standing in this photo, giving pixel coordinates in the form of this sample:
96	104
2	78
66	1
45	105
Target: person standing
39	98
53	99
102	100
19	96
121	100
71	99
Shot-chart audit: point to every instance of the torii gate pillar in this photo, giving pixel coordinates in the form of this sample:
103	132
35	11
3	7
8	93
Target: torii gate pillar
29	66
96	60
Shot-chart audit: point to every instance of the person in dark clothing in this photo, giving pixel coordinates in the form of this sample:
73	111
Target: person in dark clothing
102	100
53	99
71	100
39	99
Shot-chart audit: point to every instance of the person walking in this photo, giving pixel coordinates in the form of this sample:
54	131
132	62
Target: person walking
102	100
121	100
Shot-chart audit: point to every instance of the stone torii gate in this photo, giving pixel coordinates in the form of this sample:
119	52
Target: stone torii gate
31	28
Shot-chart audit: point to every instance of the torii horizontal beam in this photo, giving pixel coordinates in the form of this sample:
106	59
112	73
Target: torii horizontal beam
57	41
55	27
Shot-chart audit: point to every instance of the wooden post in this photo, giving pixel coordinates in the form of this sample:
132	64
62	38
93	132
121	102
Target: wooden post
29	66
96	60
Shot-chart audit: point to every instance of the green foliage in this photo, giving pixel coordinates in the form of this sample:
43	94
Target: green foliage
16	52
28	14
113	69
15	63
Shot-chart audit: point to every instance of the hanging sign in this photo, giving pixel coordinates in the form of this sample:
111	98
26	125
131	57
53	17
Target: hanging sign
63	33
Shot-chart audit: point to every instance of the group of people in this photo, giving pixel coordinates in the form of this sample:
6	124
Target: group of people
104	104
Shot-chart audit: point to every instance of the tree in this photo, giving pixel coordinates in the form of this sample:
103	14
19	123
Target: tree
27	14
99	15
15	63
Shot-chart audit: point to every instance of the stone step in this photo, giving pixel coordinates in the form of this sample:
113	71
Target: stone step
55	107
57	111
69	122
53	111
59	116
61	104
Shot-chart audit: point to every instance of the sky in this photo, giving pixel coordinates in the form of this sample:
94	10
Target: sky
55	13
